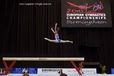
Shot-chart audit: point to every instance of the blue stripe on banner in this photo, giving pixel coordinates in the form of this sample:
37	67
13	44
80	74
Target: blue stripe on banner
112	70
20	70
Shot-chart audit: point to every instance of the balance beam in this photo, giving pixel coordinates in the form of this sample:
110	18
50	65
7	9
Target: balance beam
43	59
14	59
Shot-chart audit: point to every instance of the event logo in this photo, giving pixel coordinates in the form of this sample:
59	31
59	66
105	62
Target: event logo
94	8
85	14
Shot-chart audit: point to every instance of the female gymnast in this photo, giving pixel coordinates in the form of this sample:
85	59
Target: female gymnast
57	39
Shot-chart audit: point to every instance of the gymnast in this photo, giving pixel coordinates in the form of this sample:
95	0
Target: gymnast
57	39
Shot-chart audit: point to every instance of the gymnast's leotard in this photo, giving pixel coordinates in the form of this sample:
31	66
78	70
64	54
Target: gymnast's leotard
57	37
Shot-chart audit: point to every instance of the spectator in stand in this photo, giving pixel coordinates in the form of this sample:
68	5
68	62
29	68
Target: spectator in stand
61	73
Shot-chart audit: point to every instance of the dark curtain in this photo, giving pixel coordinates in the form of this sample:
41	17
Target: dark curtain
23	29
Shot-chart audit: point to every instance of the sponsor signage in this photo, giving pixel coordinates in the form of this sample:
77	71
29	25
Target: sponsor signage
66	70
89	70
112	70
20	70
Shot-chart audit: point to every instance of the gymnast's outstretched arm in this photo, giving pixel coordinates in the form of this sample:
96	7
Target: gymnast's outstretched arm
52	30
56	27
